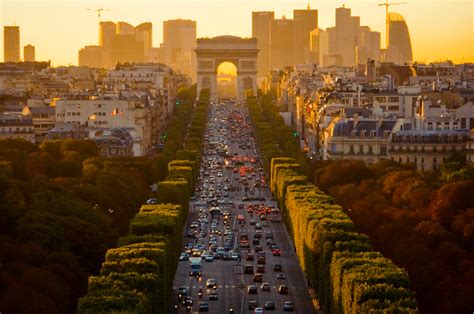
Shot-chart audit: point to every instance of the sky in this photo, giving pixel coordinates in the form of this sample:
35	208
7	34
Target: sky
439	29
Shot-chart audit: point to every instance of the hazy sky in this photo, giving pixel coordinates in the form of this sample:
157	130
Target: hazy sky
439	29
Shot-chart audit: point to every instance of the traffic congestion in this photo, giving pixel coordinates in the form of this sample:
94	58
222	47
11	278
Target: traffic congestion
237	256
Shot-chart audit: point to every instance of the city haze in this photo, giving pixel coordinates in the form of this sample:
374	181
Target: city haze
69	26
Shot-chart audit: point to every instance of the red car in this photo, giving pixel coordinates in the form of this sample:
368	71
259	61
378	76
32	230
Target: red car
276	252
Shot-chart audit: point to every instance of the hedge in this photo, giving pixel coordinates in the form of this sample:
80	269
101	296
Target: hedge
339	262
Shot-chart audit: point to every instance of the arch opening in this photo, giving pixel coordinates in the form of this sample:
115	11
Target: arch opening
226	80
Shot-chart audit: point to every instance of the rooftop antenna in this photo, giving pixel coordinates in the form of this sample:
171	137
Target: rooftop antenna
98	11
387	22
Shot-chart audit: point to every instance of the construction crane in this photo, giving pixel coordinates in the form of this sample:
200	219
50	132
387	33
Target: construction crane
387	21
98	12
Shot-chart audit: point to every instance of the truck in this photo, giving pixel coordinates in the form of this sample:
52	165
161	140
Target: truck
195	266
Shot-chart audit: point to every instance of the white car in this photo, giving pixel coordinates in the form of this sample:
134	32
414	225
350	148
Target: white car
211	283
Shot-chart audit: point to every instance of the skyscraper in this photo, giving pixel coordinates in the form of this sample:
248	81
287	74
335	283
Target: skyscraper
347	28
305	22
261	30
124	28
11	43
399	50
144	32
179	41
282	43
368	45
29	53
107	32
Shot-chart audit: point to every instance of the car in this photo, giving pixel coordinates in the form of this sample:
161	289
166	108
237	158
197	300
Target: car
283	289
269	305
250	257
182	292
277	267
209	258
252	289
203	307
252	305
260	268
280	276
257	277
211	283
265	286
213	296
152	201
288	306
184	256
248	269
276	252
261	260
188	301
258	226
258	310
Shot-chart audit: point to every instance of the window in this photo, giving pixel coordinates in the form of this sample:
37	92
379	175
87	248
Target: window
393	99
372	133
393	108
351	149
370	149
435	160
383	150
380	99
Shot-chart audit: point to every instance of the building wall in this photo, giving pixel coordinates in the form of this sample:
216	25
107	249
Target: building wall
29	53
11	44
282	40
261	30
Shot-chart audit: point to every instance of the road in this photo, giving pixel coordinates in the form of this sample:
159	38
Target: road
229	174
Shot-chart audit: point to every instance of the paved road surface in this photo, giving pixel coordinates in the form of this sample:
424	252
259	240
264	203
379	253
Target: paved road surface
231	282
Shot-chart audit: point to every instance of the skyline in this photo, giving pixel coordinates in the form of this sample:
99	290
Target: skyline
443	41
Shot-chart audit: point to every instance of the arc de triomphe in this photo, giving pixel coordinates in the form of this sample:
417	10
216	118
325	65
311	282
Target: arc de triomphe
242	52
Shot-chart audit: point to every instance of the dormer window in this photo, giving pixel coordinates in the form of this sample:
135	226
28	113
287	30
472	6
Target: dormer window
354	133
363	133
372	133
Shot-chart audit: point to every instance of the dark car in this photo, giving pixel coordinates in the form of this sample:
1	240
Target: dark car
260	268
283	289
250	257
203	307
213	296
277	267
252	305
252	290
182	292
269	305
257	278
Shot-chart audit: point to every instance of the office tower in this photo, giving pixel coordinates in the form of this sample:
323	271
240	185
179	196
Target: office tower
368	45
347	28
125	48
319	45
305	22
179	42
107	32
91	56
124	28
261	30
11	43
29	53
399	50
144	32
282	38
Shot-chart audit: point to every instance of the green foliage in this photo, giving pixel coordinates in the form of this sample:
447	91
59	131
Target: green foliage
323	234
